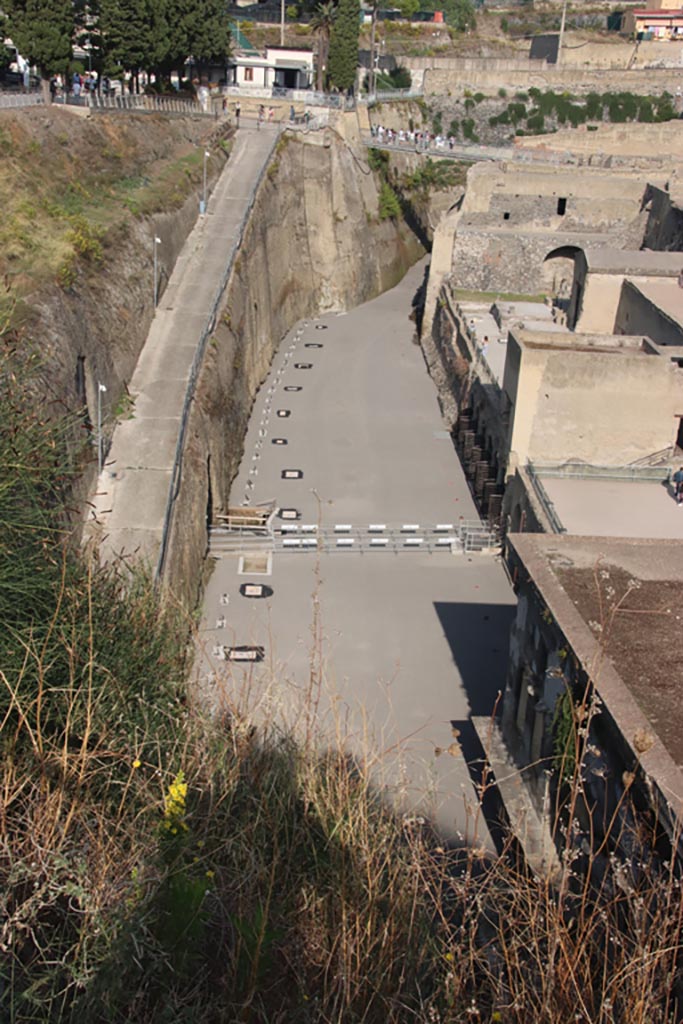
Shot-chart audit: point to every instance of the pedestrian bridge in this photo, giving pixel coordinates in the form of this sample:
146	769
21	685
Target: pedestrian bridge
470	152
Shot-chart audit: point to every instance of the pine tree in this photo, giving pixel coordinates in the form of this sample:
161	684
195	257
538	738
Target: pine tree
343	57
135	34
42	31
199	29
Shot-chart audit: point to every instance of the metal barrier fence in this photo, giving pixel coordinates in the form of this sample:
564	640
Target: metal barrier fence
163	104
209	325
310	97
465	536
12	100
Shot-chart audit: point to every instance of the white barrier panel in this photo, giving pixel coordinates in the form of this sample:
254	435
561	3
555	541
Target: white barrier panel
443	541
310	528
290	529
413	542
292	543
376	528
410	528
379	542
345	542
342	528
443	527
309	542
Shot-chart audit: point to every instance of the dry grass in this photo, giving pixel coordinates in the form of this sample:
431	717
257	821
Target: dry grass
161	865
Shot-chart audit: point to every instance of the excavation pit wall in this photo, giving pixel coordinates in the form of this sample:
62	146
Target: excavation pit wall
314	244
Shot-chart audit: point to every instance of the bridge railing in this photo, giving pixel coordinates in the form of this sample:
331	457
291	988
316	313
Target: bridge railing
312	98
390	95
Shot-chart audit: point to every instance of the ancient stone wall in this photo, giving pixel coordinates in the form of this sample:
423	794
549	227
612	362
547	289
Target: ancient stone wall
664	229
578	81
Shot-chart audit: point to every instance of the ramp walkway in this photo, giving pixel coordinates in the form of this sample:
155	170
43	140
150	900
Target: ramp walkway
136	489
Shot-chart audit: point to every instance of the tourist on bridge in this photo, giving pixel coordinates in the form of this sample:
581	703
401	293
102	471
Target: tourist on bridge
678	486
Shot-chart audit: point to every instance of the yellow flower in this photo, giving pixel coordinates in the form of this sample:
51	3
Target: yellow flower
210	874
137	763
450	958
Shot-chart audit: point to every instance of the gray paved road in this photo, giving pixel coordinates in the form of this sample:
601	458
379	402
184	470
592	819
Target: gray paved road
406	644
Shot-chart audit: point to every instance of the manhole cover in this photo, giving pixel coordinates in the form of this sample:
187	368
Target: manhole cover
255	590
292	474
245	652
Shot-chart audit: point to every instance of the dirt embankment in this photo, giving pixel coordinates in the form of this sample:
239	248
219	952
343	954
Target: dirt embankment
83	200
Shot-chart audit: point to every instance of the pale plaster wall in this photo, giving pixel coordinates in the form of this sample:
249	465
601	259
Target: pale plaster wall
636	314
604	408
599	303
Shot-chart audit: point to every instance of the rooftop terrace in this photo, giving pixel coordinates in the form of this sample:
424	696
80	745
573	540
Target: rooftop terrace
614	508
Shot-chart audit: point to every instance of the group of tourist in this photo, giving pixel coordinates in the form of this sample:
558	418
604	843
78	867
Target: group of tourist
420	139
79	84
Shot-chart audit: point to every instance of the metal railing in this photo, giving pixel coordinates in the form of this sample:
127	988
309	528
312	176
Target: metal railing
390	95
547	505
163	104
583	470
471	153
464	536
312	98
19	99
176	475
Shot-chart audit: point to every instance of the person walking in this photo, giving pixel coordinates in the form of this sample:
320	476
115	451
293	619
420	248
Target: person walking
678	486
261	116
238	111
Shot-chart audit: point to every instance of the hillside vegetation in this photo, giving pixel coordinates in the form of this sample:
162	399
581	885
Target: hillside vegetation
69	187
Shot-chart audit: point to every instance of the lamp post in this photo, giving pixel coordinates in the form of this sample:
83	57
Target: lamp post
101	389
157	241
202	206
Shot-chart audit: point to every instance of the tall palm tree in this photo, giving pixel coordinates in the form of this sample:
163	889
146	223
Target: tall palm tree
321	23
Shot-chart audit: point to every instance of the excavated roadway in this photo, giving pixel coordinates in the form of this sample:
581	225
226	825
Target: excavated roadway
403	648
